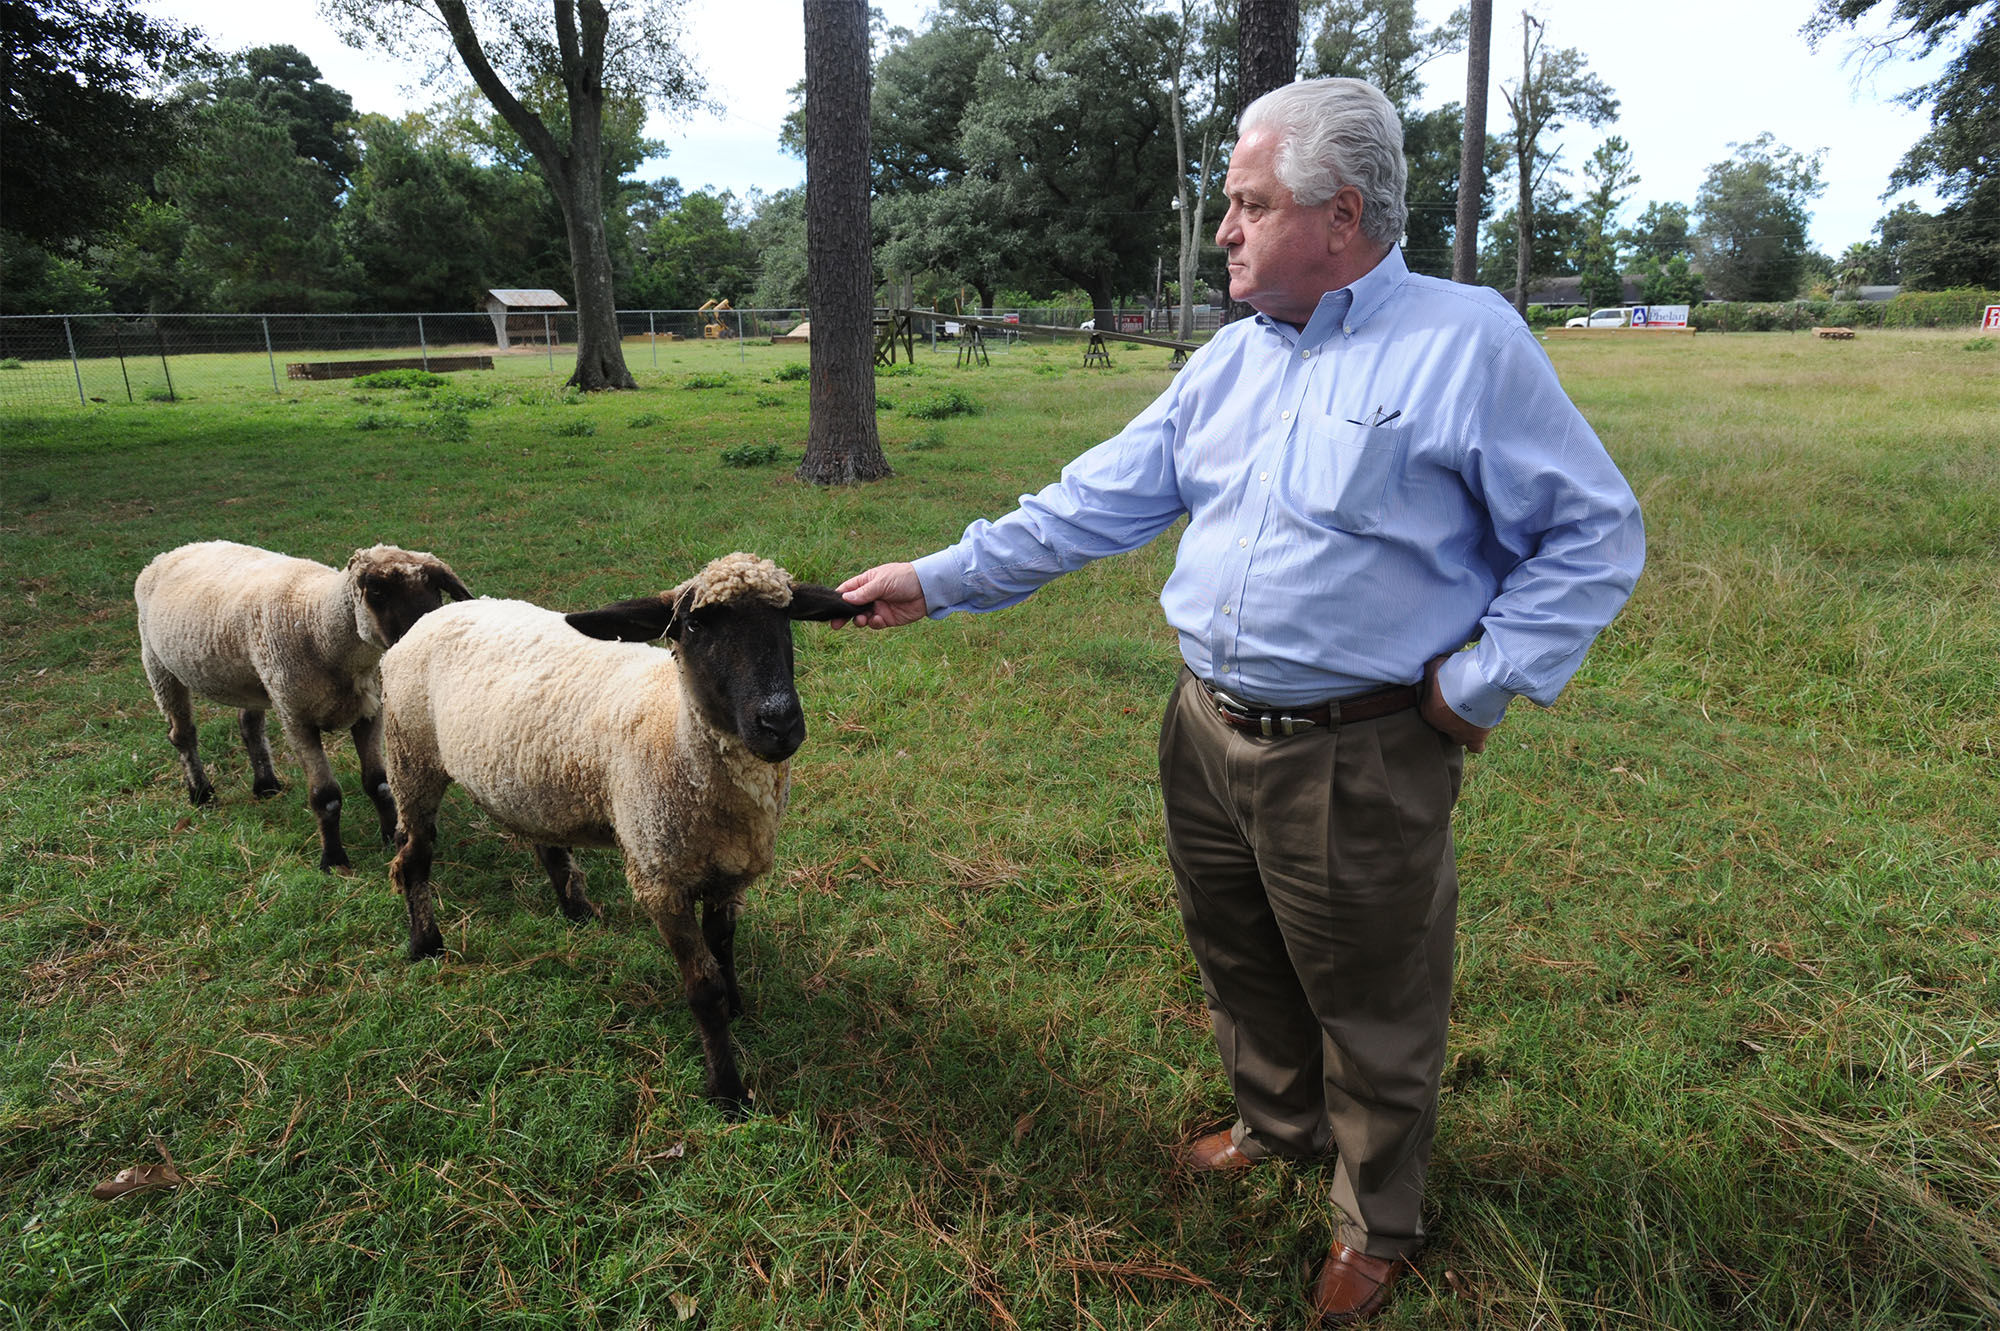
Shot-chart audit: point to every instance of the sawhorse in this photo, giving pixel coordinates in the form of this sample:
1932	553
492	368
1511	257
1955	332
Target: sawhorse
1095	353
972	347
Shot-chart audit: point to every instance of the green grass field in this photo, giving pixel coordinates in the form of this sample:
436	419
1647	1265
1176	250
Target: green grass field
1727	1041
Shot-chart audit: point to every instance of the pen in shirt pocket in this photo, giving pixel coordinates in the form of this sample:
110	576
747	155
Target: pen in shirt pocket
1379	417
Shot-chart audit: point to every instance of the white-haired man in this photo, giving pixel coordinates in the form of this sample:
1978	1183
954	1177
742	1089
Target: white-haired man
1377	471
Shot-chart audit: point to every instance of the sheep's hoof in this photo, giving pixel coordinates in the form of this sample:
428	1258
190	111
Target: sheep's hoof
428	944
263	790
201	794
732	1107
335	862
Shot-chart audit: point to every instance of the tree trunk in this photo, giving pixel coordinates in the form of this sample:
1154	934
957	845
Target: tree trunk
1472	153
1267	57
600	351
1525	129
842	446
576	174
1267	48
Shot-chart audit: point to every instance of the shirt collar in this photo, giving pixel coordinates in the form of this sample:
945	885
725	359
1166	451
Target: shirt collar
1353	305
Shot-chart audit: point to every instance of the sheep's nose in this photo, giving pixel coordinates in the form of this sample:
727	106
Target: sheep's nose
780	729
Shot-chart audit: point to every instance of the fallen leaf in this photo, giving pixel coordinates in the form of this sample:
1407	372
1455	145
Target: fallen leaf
1023	1125
685	1306
139	1178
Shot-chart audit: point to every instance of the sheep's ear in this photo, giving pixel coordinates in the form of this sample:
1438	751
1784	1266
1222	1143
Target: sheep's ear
812	601
640	620
445	582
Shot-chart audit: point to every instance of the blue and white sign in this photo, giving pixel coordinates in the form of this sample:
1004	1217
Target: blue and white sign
1659	316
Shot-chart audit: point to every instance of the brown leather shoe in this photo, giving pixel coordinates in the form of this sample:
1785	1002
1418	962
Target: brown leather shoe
1353	1286
1217	1153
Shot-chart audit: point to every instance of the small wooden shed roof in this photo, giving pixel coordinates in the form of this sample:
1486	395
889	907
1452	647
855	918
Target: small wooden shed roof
527	298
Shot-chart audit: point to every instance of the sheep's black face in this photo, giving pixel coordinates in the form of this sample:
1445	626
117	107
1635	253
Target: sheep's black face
395	602
737	660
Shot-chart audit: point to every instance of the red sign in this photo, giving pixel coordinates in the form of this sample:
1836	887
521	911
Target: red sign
1992	317
1131	323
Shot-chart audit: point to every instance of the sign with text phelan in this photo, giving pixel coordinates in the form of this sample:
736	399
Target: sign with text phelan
1992	319
1659	316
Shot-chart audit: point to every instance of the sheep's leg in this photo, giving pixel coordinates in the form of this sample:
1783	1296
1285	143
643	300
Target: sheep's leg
566	877
322	790
374	776
263	776
708	1000
718	930
410	871
177	706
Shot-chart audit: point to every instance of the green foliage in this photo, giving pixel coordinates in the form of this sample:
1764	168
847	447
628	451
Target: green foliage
1982	344
573	429
378	420
645	420
404	378
1939	309
1751	217
931	438
1787	316
942	406
9	363
751	455
83	130
696	382
771	400
792	371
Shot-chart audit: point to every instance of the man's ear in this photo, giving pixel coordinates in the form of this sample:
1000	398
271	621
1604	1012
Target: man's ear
1343	218
639	620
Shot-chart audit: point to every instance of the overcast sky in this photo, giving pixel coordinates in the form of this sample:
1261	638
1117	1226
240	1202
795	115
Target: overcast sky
1691	78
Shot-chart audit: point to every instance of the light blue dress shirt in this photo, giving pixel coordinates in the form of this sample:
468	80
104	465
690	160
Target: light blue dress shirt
1401	477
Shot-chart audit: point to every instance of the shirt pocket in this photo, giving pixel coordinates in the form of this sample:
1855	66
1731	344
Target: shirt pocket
1340	475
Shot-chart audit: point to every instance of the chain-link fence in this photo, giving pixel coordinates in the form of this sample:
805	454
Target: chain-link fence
47	360
51	359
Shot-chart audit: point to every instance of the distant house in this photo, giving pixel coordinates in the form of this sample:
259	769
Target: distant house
1569	291
1877	293
522	312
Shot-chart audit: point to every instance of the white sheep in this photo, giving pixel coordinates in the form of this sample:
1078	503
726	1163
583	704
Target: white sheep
261	631
678	758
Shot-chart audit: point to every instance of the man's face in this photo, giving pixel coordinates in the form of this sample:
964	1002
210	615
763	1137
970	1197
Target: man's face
1283	256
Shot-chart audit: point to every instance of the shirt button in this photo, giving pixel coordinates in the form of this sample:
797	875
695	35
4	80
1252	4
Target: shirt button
1242	541
1225	609
1305	355
1263	475
1284	415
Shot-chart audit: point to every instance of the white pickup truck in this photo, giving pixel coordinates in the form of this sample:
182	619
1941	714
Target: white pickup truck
1610	318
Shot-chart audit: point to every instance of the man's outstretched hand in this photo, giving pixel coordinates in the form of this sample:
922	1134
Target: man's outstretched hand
884	597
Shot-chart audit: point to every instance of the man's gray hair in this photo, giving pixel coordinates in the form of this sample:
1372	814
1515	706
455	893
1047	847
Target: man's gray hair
1335	132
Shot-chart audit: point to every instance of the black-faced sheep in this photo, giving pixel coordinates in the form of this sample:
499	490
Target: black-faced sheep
261	631
678	758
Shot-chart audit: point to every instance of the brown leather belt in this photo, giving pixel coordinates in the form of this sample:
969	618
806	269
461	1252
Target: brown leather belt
1270	721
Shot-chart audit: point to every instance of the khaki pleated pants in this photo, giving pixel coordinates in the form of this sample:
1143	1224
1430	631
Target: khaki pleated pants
1320	897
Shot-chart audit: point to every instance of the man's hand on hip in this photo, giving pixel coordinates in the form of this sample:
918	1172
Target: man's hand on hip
1437	713
885	597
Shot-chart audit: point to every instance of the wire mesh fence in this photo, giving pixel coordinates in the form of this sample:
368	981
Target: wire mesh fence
47	360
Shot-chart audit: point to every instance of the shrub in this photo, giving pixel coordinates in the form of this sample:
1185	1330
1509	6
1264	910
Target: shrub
377	420
11	363
1981	344
771	400
751	455
401	379
1957	308
925	442
706	381
884	403
575	429
792	371
943	406
645	420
